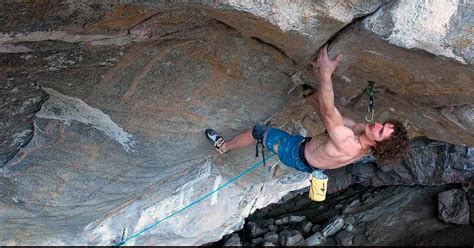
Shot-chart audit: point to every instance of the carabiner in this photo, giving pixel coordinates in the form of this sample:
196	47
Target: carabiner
371	113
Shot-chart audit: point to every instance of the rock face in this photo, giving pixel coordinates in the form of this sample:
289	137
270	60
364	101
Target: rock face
428	163
392	215
296	28
20	101
103	107
436	27
453	207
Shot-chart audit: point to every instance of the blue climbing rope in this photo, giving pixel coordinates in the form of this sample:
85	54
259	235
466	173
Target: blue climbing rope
194	203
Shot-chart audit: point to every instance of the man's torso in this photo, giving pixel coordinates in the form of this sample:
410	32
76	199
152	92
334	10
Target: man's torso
321	153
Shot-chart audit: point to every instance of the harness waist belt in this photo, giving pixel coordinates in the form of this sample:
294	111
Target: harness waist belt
301	151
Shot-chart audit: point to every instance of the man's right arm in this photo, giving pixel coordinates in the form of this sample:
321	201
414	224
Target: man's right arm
313	99
357	128
331	117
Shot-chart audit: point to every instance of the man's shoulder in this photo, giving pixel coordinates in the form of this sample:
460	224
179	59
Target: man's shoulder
341	139
342	134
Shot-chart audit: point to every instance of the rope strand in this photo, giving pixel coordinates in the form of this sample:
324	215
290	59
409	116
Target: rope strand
193	203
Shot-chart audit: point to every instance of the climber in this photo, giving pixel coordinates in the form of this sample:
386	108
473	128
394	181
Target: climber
344	142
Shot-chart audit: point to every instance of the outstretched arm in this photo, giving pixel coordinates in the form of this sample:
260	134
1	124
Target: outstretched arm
330	116
356	127
313	100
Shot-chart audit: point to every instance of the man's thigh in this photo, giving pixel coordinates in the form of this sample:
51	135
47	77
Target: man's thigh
274	138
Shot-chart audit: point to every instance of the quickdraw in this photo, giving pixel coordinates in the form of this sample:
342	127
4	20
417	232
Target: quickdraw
370	111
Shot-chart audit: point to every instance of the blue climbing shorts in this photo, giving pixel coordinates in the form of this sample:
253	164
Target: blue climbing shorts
288	146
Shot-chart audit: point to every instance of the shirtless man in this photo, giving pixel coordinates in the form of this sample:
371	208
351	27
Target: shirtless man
344	142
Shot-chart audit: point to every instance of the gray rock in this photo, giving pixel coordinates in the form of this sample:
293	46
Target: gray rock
315	228
344	238
282	228
366	197
19	101
282	221
301	243
351	206
296	219
332	226
399	24
272	228
306	227
290	238
255	230
290	220
268	244
234	240
315	239
418	166
453	207
271	237
310	30
329	241
349	220
354	203
470	199
348	227
267	222
257	241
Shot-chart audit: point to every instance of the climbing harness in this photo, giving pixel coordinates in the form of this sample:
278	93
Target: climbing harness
193	203
259	142
370	111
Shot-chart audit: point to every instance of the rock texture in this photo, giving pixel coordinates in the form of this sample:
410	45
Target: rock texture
440	28
19	103
298	28
393	215
119	144
453	207
122	91
428	163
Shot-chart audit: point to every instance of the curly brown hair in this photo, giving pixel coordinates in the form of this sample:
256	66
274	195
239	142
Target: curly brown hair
393	149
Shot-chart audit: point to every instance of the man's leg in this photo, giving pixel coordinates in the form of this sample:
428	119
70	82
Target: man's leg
240	141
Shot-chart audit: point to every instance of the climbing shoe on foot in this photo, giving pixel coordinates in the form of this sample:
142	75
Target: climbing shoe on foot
216	140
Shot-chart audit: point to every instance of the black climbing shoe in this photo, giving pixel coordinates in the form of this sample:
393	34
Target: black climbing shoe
216	140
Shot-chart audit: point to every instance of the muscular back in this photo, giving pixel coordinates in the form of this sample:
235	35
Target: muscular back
322	153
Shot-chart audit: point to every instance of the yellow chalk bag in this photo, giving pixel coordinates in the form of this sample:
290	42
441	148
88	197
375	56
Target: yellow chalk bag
319	183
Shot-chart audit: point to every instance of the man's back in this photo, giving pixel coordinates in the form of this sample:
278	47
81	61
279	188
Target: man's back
322	153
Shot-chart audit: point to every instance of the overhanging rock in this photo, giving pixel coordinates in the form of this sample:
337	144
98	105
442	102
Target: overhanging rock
115	153
298	28
120	142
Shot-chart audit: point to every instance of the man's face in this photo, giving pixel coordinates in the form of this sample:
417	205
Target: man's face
378	132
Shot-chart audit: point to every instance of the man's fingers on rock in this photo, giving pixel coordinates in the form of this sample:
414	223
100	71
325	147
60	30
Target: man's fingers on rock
325	50
338	58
